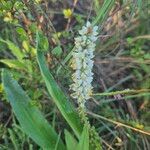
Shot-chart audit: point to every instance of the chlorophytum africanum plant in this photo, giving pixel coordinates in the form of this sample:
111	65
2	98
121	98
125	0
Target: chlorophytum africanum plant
32	120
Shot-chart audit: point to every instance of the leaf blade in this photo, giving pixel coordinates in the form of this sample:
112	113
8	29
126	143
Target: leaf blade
71	142
84	140
14	49
59	97
13	63
30	118
103	12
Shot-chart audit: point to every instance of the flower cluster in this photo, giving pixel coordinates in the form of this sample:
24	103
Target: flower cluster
82	63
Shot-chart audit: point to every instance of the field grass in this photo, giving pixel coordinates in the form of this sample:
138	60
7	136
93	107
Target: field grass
37	110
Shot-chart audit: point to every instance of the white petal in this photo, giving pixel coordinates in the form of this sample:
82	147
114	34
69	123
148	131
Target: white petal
95	28
83	30
88	24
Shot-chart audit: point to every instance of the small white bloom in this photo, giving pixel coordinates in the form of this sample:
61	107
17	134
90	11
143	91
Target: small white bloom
93	38
95	30
88	24
83	31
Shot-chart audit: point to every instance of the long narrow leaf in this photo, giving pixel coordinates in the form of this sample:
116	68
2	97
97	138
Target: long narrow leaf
71	142
14	49
84	140
103	12
30	118
59	97
13	63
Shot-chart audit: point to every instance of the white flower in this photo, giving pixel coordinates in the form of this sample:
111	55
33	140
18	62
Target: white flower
83	63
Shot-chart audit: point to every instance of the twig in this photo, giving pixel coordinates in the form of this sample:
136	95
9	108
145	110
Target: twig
119	123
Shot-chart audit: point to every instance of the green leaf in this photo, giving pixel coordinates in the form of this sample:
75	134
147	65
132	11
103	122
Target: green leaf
7	5
42	42
20	31
22	65
60	99
66	59
57	51
84	140
14	49
29	117
13	63
103	12
13	139
25	45
139	3
71	142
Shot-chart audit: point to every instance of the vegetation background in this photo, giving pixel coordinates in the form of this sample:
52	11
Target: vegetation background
119	108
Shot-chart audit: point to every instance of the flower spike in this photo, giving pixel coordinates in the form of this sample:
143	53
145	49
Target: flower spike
82	63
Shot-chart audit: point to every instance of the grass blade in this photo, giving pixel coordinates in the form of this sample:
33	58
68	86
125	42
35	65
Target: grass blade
30	118
103	11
